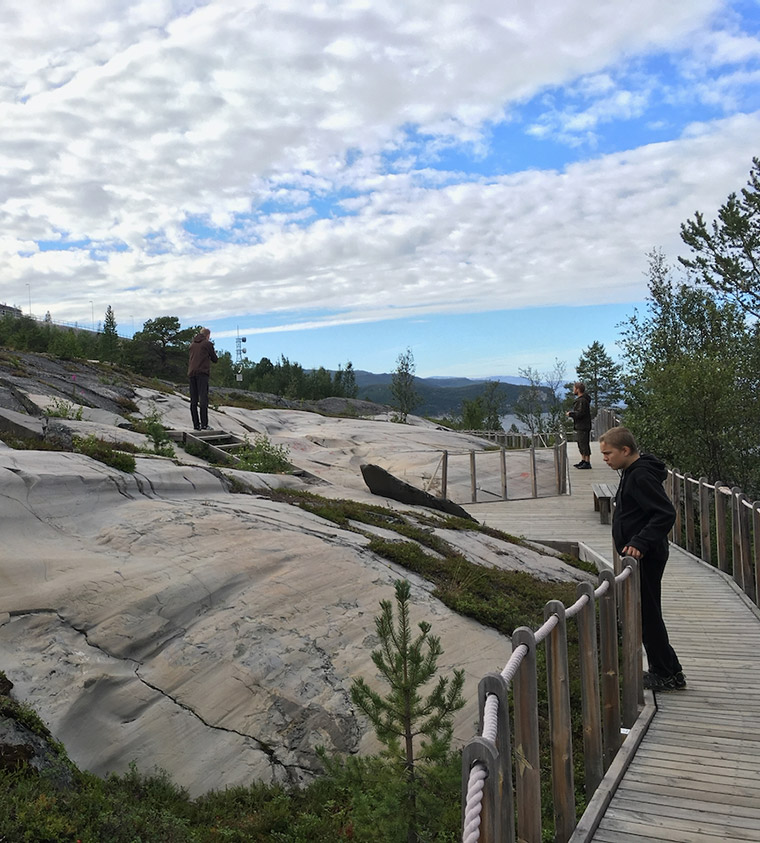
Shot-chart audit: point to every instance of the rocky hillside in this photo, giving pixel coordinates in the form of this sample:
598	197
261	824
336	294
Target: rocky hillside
163	617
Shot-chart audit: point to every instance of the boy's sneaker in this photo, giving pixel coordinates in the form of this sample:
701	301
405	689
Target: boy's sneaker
584	465
655	682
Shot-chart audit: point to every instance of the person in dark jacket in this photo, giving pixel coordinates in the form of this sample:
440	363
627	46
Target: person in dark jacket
641	522
202	355
581	416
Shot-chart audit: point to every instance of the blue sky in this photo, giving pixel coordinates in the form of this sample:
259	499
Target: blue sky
478	181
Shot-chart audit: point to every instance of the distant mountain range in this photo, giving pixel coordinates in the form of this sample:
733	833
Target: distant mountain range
441	396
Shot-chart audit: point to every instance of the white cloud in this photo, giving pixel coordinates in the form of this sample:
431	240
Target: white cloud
122	121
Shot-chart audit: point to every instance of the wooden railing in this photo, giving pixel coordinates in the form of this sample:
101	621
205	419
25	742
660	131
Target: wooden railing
501	774
559	482
719	524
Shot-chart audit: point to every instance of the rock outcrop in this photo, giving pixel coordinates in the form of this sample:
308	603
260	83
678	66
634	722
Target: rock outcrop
155	617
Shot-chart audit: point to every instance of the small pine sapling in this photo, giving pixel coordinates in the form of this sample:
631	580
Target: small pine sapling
416	731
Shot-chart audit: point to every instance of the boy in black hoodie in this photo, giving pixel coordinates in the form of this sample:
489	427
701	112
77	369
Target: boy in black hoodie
641	522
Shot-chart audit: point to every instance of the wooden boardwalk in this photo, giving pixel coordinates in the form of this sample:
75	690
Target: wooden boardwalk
696	775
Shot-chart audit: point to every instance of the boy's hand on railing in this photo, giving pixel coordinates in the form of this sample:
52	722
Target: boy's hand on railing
630	550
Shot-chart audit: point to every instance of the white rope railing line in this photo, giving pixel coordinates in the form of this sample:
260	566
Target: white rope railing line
546	628
478	773
624	574
573	610
475	786
515	660
602	589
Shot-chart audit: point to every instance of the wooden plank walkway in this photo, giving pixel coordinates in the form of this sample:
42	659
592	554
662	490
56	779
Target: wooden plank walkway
696	775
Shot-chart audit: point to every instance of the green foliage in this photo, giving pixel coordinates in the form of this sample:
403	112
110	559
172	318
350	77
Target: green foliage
289	379
30	443
693	390
415	730
64	344
726	255
99	449
151	425
539	406
110	344
263	455
484	412
63	409
160	348
602	377
405	396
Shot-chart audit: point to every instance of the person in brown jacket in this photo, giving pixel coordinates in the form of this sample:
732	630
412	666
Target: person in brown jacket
202	355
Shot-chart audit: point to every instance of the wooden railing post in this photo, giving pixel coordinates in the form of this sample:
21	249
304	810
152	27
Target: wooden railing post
705	545
533	477
473	480
736	533
744	519
560	726
632	659
756	537
590	702
483	751
503	462
688	500
610	681
444	474
494	683
720	528
676	533
527	758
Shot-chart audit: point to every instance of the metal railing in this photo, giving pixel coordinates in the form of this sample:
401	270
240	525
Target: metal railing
501	774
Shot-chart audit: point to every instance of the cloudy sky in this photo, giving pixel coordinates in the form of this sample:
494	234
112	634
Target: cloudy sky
340	179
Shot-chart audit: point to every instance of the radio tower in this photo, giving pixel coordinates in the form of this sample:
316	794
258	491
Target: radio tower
239	352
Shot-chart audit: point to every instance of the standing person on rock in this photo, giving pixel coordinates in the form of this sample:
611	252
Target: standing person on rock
202	355
643	517
581	416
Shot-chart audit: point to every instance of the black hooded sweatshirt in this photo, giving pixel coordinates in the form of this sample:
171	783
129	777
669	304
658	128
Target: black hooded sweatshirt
643	511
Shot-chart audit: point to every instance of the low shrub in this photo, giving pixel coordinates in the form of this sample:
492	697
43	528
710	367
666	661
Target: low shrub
263	455
63	409
102	451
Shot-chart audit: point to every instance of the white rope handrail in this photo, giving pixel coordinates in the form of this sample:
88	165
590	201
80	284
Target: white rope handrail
478	772
573	610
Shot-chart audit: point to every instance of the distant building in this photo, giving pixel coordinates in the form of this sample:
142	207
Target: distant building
7	310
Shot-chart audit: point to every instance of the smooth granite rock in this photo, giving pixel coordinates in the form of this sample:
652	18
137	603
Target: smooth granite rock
155	617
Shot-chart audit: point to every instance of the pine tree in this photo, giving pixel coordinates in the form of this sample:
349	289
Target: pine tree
350	389
109	339
601	375
416	731
726	256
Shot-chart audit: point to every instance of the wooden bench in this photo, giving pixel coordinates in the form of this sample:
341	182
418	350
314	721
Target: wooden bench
604	494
